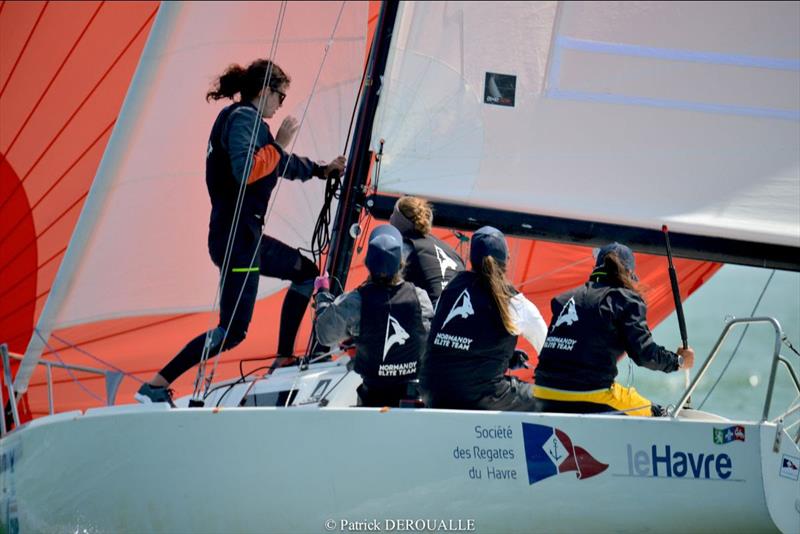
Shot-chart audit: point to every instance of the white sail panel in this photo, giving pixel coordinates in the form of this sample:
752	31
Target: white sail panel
147	251
632	113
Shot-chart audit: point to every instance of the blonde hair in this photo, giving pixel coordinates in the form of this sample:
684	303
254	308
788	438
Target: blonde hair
493	274
418	211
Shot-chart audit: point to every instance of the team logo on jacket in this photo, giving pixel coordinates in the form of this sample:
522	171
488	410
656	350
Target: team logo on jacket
395	334
445	262
549	451
568	314
461	308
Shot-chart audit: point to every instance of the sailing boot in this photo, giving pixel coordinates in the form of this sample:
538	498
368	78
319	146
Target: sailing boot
148	394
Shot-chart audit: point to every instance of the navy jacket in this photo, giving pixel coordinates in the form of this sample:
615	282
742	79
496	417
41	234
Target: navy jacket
592	326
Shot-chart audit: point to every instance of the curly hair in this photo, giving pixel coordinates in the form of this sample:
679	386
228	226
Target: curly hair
248	81
418	211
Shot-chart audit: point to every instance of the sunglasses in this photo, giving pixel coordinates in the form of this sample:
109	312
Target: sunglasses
281	95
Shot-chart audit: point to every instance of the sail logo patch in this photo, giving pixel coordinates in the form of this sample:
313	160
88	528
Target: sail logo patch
500	89
462	307
790	467
568	315
445	262
728	434
395	334
549	451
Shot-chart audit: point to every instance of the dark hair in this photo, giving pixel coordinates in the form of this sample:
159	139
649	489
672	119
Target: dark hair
616	273
393	280
247	81
493	276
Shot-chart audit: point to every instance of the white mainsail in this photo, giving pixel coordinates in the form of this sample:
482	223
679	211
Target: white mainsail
630	113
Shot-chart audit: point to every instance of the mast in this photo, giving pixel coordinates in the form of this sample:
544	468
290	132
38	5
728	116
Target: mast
359	159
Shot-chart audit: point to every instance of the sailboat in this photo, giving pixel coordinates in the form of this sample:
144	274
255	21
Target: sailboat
573	122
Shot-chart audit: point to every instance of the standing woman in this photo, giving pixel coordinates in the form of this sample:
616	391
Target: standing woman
430	262
243	154
593	326
474	332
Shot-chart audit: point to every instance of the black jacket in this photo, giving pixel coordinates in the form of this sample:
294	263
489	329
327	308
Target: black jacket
431	263
392	334
592	326
468	348
231	146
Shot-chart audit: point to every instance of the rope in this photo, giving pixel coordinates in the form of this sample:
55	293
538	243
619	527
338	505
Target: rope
789	345
320	240
738	344
553	271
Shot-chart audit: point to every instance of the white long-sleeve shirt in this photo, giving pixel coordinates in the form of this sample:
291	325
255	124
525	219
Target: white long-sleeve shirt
528	321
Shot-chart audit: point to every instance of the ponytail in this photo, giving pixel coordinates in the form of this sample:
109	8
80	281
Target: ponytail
418	211
493	274
247	82
616	274
228	84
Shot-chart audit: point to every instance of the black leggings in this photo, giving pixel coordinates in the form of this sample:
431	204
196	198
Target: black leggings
511	395
275	259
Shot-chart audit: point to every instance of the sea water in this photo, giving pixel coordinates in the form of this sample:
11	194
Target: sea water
741	391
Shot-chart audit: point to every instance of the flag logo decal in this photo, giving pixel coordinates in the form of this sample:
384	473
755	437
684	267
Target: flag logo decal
790	467
549	451
728	434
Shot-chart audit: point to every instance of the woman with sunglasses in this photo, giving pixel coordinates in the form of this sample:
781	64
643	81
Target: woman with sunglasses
243	154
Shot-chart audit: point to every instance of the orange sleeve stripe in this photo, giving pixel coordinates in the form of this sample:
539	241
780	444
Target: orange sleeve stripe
264	163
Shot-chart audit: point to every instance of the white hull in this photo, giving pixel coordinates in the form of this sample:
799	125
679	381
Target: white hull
151	469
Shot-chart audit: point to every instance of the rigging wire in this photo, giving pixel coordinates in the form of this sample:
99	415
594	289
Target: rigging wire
241	380
237	211
741	337
320	240
277	188
89	354
67	369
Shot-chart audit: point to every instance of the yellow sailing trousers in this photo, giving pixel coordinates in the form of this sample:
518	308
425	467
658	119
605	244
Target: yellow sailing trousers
617	397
